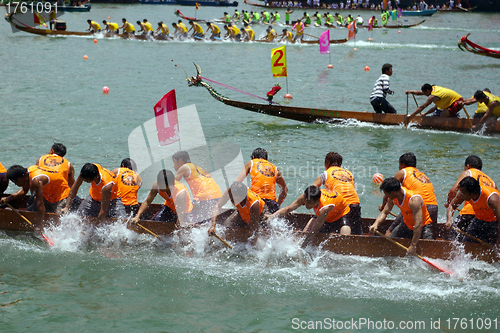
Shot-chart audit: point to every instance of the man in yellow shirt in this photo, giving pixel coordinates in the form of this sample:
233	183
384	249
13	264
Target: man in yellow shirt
94	27
198	32
215	31
447	102
491	101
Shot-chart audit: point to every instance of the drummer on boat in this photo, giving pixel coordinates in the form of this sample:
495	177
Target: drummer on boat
177	205
472	168
128	29
485	202
417	220
250	208
94	27
330	208
448	103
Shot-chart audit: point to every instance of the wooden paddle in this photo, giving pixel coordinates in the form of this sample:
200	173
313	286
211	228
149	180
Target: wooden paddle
152	233
406	122
48	240
471	237
418	256
468	117
311	36
223	241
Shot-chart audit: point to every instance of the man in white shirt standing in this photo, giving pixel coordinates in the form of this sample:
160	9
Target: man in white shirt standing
380	90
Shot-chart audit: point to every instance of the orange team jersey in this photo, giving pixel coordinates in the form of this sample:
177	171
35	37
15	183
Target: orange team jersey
202	185
328	197
106	178
56	189
252	199
170	201
2	169
263	176
483	180
341	181
481	209
55	162
417	181
406	210
128	183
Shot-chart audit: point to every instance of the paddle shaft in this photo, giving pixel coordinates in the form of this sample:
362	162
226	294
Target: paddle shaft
418	256
471	237
311	36
152	233
223	241
407	98
468	117
18	213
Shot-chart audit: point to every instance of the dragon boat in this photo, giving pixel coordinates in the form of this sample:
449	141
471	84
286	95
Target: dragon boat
12	223
310	115
466	45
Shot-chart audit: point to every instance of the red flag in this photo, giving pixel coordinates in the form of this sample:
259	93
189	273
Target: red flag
352	30
167	124
197	6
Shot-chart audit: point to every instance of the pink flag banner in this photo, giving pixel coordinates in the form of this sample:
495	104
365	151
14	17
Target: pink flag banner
167	124
324	42
370	24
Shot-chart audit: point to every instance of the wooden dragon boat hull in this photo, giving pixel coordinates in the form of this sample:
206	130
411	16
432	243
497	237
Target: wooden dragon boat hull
332	41
427	12
365	245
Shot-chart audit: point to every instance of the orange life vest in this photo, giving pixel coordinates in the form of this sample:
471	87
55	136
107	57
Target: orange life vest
329	197
407	212
202	185
263	176
128	183
170	200
106	178
483	180
481	208
342	181
418	182
244	211
56	189
55	162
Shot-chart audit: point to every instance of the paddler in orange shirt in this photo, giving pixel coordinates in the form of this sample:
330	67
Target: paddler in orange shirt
206	192
250	208
128	183
472	168
414	180
341	180
330	208
103	200
4	181
417	221
177	204
485	202
264	176
49	189
55	160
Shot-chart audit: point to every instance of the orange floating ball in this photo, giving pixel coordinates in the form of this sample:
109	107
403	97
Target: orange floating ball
399	31
288	96
378	178
367	68
95	41
85	57
105	90
109	18
330	66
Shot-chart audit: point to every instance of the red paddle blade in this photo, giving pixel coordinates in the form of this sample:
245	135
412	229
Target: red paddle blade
48	240
437	267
